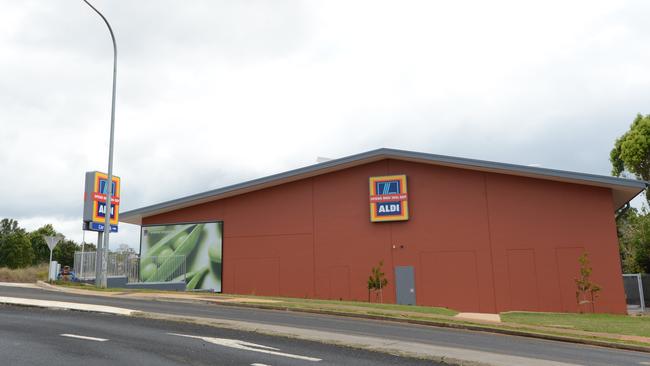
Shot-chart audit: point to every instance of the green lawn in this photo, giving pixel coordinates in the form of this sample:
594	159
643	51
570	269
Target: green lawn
333	304
604	323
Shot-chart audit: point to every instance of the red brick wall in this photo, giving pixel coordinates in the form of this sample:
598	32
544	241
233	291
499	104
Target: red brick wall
478	241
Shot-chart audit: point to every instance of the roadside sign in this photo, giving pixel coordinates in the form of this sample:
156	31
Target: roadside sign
95	192
52	241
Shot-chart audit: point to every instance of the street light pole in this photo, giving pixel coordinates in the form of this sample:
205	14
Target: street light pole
100	281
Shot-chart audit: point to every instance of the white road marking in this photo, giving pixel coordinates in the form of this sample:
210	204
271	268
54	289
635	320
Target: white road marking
84	337
247	346
18	284
65	305
259	364
644	363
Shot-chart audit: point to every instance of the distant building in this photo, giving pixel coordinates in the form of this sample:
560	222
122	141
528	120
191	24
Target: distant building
125	249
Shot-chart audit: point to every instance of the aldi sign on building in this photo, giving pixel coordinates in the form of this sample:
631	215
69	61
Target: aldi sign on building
388	198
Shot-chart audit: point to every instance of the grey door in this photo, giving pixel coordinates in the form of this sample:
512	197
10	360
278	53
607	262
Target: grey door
405	285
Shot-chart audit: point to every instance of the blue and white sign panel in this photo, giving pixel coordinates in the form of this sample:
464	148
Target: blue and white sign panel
95	226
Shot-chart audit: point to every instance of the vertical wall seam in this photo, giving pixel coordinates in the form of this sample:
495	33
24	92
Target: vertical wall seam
557	277
313	237
487	210
538	303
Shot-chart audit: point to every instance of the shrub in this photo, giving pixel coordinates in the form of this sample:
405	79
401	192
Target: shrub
377	282
16	250
28	274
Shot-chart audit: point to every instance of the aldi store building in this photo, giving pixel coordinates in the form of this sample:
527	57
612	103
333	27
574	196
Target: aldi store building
465	234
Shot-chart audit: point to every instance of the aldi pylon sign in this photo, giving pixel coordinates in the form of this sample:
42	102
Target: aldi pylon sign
388	198
95	192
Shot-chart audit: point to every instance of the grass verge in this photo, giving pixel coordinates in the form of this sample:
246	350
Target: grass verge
601	323
27	274
92	287
314	304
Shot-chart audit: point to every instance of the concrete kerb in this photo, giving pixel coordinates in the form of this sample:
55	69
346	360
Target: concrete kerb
460	324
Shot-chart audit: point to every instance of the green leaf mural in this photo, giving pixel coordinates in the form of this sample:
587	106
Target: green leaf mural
199	243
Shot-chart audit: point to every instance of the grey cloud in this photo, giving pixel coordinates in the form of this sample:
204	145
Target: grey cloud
242	31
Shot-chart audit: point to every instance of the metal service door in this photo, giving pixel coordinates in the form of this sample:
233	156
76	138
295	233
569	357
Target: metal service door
405	285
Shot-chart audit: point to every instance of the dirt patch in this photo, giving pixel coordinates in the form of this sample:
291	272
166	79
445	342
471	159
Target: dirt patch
242	299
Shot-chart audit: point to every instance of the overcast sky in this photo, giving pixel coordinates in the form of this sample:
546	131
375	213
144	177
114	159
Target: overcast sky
211	93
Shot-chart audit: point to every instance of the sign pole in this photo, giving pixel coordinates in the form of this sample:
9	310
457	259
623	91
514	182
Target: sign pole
83	244
98	259
49	268
51	241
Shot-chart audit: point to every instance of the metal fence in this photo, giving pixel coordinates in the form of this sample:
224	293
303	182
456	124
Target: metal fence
117	264
84	265
155	269
637	291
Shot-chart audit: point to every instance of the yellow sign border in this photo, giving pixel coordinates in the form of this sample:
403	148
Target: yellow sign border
96	179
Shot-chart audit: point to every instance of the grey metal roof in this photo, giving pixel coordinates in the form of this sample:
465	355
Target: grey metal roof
623	190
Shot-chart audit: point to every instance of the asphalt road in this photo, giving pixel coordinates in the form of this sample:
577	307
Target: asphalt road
479	341
33	336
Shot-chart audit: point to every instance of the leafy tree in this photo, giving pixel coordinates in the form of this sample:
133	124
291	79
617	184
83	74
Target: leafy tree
377	281
634	240
631	152
9	226
89	247
64	252
16	250
586	291
39	245
14	254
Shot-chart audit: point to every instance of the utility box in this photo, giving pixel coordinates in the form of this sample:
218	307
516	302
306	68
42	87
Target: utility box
54	271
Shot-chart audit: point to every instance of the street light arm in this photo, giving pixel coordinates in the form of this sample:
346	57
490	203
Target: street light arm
109	29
